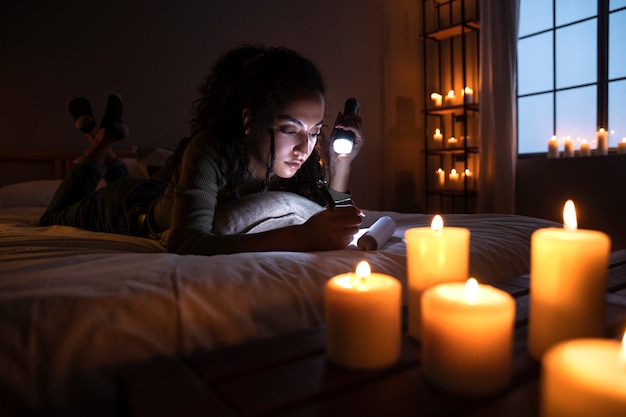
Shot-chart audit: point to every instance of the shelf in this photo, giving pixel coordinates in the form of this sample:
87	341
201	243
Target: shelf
456	109
448	151
452	192
452	31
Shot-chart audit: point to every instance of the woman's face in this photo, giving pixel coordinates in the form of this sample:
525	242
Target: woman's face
296	131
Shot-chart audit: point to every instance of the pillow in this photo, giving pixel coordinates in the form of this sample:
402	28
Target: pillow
259	212
37	193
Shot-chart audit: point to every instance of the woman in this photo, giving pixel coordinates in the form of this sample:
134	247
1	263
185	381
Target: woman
254	128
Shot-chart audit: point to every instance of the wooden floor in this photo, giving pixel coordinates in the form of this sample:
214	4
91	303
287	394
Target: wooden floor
290	376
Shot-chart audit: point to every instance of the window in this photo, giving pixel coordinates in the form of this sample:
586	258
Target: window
571	71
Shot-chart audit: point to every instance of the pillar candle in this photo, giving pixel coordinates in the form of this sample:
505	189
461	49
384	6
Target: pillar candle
584	377
441	177
468	95
568	269
553	147
585	148
568	150
435	254
469	178
363	319
467	337
450	98
436	98
602	142
452	141
437	136
621	147
453	177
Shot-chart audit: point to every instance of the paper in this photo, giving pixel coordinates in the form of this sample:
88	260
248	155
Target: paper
377	235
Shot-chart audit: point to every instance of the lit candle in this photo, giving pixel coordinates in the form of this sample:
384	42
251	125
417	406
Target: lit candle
568	269
435	254
454	176
452	141
568	151
621	147
468	95
553	147
363	323
467	337
602	142
584	377
467	174
436	98
441	177
585	148
450	98
437	136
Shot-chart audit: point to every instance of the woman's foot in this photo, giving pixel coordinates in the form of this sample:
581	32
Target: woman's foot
112	119
80	109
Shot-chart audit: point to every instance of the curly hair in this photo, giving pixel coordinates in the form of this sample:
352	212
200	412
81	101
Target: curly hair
265	80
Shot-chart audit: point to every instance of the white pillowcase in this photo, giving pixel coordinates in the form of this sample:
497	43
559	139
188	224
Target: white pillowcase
37	193
259	212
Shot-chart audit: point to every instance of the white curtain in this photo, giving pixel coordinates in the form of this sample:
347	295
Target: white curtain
498	106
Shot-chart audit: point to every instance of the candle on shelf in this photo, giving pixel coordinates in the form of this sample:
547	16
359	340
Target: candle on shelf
469	178
468	95
441	177
435	254
584	377
454	177
437	136
585	148
621	147
467	337
363	323
568	269
568	151
553	147
436	98
450	98
602	142
452	141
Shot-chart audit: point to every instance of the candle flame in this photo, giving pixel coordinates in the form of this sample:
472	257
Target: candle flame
569	216
468	172
451	93
622	357
437	224
363	270
601	130
435	95
471	291
437	131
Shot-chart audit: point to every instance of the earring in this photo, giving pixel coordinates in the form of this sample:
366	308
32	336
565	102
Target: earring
247	132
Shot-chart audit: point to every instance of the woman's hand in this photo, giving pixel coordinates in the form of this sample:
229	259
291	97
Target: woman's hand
340	164
332	228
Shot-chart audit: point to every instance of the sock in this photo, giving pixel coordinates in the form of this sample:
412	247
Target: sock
112	119
80	110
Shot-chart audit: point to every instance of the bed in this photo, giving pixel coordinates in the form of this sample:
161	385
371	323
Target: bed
74	301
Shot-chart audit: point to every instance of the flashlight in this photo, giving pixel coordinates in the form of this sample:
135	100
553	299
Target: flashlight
344	139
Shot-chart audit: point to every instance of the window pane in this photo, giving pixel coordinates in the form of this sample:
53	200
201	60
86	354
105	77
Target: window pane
617	107
616	4
617	51
534	16
576	54
534	64
576	113
534	123
568	11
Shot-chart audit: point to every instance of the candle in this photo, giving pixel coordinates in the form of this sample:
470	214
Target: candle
435	254
585	148
441	177
553	147
437	136
584	377
450	98
454	176
436	98
468	95
467	174
568	269
569	147
621	147
467	337
602	142
363	324
452	141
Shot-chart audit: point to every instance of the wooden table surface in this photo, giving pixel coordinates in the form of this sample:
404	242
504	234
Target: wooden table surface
291	376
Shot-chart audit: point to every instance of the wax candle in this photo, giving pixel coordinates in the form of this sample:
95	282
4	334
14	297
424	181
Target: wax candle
467	337
450	98
469	178
584	377
452	141
441	177
585	148
435	254
602	142
568	151
553	147
436	98
621	147
568	269
437	136
363	323
468	95
453	177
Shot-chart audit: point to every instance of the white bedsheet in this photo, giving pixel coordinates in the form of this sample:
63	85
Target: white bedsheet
73	301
